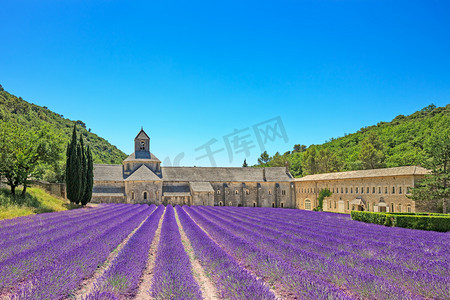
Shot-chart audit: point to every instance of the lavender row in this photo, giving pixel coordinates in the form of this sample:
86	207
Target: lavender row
64	275
15	247
414	257
21	230
173	277
30	219
16	268
232	281
62	229
121	280
391	279
270	267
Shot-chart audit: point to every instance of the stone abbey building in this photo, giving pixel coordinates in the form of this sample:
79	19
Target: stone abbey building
141	179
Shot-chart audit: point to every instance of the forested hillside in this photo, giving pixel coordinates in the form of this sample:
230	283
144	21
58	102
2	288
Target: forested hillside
15	109
386	144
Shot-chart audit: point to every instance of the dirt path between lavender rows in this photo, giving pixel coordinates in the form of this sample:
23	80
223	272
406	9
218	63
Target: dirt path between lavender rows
145	283
209	291
277	295
87	285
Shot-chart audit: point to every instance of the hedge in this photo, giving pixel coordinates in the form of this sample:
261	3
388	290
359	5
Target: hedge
423	221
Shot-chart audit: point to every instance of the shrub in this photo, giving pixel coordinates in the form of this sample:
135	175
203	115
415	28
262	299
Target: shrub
423	221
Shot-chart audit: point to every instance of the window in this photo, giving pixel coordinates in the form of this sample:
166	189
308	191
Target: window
408	208
379	190
400	190
333	190
368	190
273	204
393	190
270	192
362	190
142	147
373	190
145	195
351	190
408	189
399	208
346	190
348	204
392	207
218	192
282	204
308	204
329	204
334	204
247	192
283	192
385	190
356	190
230	204
132	195
220	203
254	204
342	190
236	192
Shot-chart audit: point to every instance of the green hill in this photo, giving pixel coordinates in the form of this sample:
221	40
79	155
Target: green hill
402	142
14	108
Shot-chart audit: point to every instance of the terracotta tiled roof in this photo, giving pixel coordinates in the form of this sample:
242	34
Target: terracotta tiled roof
397	171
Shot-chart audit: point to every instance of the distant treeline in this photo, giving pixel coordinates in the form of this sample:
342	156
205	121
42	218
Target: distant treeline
387	144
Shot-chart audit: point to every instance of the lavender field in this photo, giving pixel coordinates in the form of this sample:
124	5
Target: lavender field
122	251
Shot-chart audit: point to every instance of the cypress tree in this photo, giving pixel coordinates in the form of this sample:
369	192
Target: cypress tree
83	169
73	178
89	178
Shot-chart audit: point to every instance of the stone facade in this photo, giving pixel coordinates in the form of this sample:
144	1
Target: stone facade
368	190
141	179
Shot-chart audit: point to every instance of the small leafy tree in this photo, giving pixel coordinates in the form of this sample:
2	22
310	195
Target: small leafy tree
322	195
264	159
22	150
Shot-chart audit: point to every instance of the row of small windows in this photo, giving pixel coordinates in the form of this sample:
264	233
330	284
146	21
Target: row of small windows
247	192
358	190
254	204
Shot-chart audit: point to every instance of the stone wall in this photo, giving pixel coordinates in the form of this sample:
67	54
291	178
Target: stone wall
55	189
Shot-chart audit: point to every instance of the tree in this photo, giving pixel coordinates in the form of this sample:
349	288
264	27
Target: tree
327	161
245	165
83	163
264	158
322	195
22	150
299	148
89	178
371	154
73	170
434	190
309	161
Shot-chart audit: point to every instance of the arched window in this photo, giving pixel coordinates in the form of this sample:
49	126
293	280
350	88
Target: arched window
392	207
356	191
282	205
273	204
308	204
220	203
254	204
142	147
270	192
393	190
236	192
132	195
385	190
145	195
408	208
400	190
218	192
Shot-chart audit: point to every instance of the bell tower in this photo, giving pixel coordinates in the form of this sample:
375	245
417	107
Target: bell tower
142	145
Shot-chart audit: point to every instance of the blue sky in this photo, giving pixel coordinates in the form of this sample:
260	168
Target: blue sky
194	71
